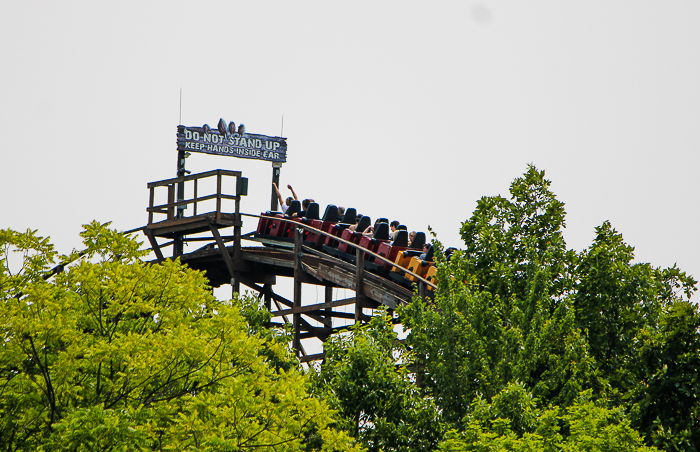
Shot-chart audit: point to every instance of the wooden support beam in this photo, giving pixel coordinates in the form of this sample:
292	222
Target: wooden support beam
218	198
235	284
171	200
329	299
268	298
351	315
273	295
422	290
269	293
154	245
311	275
237	230
275	258
298	277
306	335
320	333
359	282
312	314
151	198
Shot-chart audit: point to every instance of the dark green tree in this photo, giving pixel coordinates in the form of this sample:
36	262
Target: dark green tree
643	334
517	307
615	299
508	241
667	396
502	312
365	378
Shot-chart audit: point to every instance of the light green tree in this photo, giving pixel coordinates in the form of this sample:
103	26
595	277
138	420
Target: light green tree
114	354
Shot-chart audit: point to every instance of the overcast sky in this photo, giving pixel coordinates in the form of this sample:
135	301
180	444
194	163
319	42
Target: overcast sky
408	110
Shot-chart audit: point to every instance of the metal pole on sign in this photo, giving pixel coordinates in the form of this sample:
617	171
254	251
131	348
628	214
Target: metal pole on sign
276	168
178	242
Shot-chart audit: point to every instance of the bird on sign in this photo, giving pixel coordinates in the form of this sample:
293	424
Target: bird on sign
222	127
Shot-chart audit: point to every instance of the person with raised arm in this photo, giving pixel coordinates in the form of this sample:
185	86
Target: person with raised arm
287	202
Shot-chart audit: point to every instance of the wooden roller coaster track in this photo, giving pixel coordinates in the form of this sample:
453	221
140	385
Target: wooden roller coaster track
225	261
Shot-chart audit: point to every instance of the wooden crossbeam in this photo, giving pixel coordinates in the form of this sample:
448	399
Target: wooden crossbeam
315	307
315	357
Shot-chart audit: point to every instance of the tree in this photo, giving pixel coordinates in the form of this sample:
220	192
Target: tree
517	308
365	378
665	398
513	422
508	240
616	299
501	313
643	334
115	354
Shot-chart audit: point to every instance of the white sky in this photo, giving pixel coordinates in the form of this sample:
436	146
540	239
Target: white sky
409	110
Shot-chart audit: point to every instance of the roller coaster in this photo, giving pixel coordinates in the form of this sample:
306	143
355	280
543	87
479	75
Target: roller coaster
328	250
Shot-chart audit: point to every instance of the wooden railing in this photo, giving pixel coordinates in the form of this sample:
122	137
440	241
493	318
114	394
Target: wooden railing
171	207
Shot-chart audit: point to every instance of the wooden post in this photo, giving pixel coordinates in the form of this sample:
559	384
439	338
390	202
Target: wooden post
329	310
422	290
359	282
268	297
298	274
195	197
151	199
218	197
171	201
237	231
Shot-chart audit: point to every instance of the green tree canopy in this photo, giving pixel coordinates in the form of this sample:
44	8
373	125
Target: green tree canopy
502	312
527	345
365	378
517	309
116	354
513	422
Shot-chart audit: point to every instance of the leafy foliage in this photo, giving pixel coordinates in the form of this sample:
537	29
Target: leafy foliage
362	377
528	345
615	300
666	407
501	312
513	422
509	241
521	321
643	334
115	354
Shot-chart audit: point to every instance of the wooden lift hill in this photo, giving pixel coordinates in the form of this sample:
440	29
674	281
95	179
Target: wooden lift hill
215	221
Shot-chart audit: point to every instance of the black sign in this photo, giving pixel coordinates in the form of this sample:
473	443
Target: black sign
232	144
